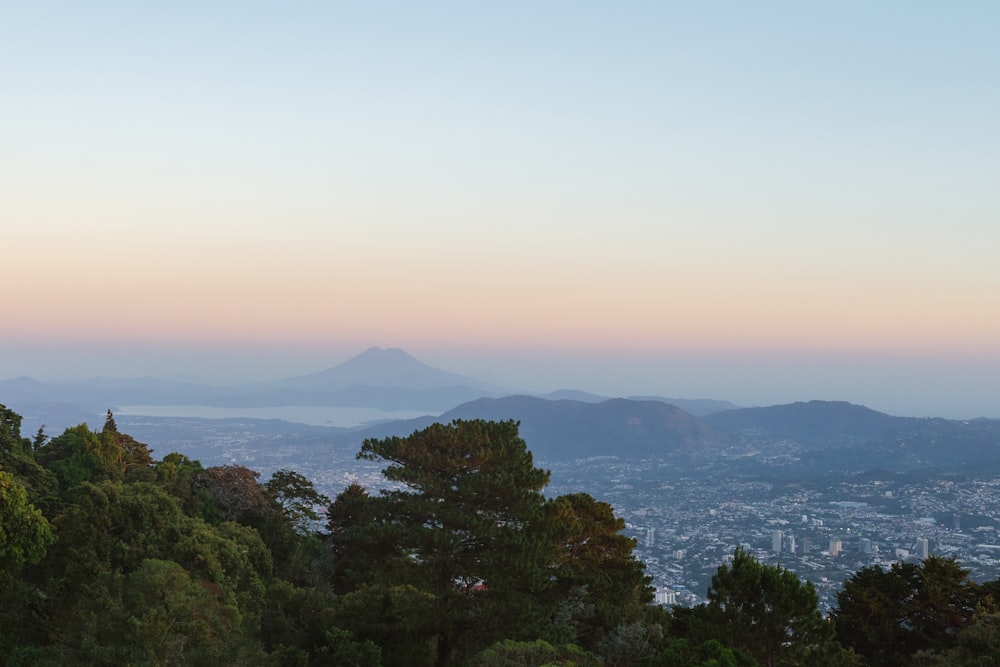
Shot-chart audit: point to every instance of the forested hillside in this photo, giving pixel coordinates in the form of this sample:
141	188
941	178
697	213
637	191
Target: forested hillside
111	556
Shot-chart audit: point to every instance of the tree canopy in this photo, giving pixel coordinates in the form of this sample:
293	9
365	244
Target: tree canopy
108	556
887	616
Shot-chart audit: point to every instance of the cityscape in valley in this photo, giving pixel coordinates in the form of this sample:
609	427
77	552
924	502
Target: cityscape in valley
821	488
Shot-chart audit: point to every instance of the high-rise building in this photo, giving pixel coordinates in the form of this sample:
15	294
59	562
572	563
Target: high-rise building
776	538
867	546
923	548
666	596
836	547
650	536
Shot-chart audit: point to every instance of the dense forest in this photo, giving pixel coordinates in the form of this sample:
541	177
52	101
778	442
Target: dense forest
109	556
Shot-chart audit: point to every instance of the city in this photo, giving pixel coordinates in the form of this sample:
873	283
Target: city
685	522
822	530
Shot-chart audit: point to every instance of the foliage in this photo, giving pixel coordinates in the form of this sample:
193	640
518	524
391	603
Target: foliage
129	457
363	541
976	645
10	430
764	611
156	614
538	653
399	619
887	616
679	653
25	534
628	643
73	458
297	498
177	475
237	494
470	523
122	559
594	567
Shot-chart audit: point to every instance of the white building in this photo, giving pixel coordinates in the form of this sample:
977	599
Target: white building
665	596
923	548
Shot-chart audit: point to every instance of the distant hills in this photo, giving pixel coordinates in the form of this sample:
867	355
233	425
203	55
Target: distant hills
383	379
817	436
821	421
565	429
379	379
697	407
814	437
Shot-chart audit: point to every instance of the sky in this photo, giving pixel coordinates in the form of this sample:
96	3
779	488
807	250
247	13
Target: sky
758	202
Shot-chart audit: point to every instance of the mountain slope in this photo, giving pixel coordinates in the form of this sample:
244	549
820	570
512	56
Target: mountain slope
376	367
566	430
811	421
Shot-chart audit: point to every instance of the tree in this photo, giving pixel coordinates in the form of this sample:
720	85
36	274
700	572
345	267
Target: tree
976	645
237	494
887	616
128	456
10	430
155	615
361	527
679	653
470	522
297	497
73	458
595	564
18	457
538	653
399	619
24	532
177	475
764	611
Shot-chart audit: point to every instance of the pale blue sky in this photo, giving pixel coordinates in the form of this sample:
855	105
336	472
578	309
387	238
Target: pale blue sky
773	184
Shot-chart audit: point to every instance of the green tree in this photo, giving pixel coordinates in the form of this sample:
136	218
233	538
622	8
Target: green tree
538	653
18	457
177	475
594	567
237	493
764	611
10	431
399	619
24	533
73	458
130	459
365	543
887	616
155	615
470	522
976	645
297	498
679	653
292	528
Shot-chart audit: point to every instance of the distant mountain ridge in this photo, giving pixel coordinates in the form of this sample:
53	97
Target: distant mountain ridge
563	425
566	429
808	420
698	406
831	436
384	379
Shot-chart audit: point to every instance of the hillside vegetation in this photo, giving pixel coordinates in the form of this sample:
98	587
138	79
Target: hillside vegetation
111	556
